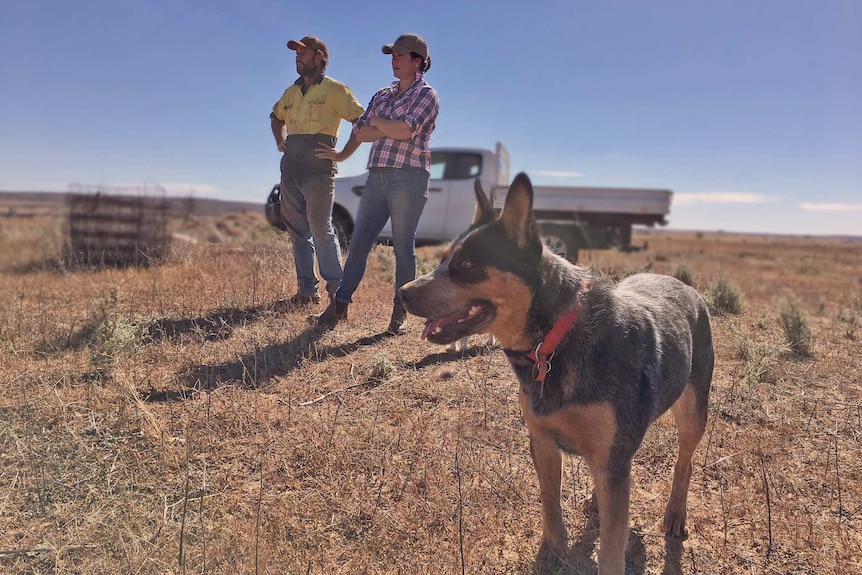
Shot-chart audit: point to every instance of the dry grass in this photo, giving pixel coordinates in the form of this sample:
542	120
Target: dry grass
168	420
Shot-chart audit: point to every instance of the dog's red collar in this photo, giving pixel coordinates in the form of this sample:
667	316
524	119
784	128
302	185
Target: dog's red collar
544	351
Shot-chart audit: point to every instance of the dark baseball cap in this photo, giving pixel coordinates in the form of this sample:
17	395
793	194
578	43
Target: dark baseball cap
311	43
407	43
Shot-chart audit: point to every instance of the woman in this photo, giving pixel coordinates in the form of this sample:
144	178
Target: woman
399	121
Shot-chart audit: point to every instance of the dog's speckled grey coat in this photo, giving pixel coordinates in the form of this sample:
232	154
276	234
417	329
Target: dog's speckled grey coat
635	350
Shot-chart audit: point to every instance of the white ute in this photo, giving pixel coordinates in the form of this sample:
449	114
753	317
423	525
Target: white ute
571	217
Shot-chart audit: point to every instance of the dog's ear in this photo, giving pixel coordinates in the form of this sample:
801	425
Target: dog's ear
517	216
484	210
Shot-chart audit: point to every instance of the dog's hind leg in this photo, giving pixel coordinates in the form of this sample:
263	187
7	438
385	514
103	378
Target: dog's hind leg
691	423
690	413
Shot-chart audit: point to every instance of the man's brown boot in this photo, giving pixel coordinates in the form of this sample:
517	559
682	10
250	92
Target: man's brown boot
335	312
399	314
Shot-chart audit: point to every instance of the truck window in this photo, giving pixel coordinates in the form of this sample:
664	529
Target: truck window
438	165
455	165
466	166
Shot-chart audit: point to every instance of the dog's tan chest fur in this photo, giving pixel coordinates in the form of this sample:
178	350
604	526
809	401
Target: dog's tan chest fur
585	430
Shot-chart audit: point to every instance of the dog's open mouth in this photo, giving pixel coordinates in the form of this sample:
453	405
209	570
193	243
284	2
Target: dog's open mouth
466	322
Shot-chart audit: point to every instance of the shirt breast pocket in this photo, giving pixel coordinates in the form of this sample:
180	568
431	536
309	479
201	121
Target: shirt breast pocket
316	111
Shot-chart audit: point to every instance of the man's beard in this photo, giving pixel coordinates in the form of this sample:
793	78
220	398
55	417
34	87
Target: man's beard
308	70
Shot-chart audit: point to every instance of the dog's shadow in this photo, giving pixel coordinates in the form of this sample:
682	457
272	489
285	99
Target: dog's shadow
578	559
449	356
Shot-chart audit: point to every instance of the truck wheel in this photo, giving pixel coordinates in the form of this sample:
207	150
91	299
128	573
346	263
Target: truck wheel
560	241
341	225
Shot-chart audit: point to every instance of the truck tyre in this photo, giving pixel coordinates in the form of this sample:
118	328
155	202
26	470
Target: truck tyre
343	229
626	237
560	241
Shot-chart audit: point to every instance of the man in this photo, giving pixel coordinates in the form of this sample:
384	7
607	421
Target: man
309	114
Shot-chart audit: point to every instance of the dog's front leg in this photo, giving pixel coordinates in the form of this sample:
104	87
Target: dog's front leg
548	463
613	493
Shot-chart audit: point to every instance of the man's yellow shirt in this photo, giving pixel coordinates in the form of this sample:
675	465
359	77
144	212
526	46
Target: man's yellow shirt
318	111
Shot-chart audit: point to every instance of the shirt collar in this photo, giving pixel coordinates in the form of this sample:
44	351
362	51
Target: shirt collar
318	81
419	78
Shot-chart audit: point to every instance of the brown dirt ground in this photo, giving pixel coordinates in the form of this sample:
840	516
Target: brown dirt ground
171	420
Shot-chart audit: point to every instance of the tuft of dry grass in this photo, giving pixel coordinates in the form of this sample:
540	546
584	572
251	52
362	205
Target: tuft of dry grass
232	438
797	332
723	297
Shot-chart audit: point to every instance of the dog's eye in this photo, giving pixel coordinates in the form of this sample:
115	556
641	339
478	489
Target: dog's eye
464	269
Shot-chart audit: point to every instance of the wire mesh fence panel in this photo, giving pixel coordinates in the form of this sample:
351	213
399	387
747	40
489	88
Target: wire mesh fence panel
107	230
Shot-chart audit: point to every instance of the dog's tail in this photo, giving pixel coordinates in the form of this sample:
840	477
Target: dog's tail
703	358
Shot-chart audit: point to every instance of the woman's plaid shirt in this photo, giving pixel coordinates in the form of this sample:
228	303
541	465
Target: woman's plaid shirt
417	107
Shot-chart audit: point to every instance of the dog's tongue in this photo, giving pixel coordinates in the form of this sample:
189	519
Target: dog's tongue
430	326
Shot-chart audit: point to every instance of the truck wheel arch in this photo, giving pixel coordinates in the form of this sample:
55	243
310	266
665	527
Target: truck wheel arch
342	223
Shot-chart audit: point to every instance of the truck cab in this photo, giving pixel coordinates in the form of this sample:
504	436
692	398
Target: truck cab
449	209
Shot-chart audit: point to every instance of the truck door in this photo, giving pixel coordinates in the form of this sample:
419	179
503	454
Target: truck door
431	223
451	202
462	168
430	226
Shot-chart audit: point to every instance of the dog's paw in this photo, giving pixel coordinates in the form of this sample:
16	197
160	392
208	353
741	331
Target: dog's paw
550	556
674	525
458	345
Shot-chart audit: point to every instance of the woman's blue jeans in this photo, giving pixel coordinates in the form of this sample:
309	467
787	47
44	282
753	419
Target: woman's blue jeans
396	193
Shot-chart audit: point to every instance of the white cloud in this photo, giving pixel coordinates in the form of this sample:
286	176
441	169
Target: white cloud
553	174
193	190
831	207
150	189
683	199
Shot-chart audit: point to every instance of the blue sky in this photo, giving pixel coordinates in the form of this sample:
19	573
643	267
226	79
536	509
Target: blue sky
750	111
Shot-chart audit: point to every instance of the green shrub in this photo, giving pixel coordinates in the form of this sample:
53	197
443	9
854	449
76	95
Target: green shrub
385	257
684	274
381	369
850	318
722	297
758	358
608	273
426	265
797	333
112	336
758	362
